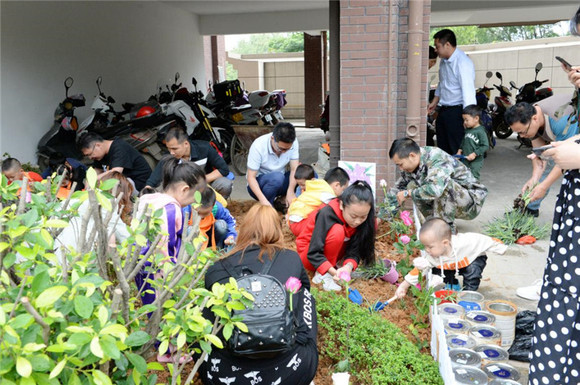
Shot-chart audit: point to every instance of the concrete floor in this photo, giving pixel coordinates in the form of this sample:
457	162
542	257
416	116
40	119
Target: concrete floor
505	170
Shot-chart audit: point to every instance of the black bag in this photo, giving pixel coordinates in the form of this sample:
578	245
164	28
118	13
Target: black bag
271	325
227	91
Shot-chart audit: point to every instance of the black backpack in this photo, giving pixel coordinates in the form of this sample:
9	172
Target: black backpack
271	324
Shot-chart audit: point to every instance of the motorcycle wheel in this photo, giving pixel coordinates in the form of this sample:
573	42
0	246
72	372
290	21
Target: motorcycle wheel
525	142
502	131
226	138
239	156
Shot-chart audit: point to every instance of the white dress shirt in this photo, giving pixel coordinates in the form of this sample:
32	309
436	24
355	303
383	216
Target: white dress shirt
456	80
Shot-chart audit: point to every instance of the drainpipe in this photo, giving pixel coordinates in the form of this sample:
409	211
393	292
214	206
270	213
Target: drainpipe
334	97
415	94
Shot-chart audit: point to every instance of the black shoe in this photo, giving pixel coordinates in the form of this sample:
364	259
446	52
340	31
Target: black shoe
533	212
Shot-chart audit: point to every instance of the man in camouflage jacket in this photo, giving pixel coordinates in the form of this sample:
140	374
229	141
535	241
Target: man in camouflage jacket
439	184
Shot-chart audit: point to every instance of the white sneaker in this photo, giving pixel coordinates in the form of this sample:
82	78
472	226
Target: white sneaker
328	283
530	292
317	278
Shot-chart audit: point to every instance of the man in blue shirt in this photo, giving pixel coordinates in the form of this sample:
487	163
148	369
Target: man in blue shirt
543	123
456	90
267	160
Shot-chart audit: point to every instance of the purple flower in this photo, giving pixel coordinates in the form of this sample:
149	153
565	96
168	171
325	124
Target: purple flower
345	276
293	285
405	239
406	218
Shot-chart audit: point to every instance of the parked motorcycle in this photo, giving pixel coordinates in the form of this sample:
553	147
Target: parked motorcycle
502	103
532	93
60	138
482	98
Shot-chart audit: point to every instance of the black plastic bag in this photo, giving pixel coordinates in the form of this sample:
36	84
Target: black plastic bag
520	349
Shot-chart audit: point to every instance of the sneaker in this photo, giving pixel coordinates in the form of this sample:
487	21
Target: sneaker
317	278
531	292
328	283
454	287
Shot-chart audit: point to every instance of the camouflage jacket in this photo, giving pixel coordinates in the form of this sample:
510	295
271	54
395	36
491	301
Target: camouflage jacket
436	170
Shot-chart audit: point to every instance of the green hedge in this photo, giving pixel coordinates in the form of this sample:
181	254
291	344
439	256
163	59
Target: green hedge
378	353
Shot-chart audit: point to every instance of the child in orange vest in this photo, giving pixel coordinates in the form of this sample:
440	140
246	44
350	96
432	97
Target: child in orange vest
216	221
12	169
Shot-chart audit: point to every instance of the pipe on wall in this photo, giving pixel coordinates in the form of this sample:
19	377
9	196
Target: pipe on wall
334	97
415	50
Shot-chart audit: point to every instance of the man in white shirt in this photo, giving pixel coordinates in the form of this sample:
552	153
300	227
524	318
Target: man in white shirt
267	160
456	90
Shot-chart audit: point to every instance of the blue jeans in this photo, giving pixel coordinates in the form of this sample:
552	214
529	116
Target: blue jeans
535	205
272	185
220	227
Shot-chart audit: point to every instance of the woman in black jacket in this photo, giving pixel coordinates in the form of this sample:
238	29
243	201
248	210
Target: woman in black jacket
261	238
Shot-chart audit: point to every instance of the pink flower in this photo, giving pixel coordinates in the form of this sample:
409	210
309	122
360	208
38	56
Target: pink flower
405	239
406	218
293	285
344	276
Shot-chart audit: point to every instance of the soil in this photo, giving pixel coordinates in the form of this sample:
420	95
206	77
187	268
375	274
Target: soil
398	312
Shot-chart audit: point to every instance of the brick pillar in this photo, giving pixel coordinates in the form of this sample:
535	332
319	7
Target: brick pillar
373	55
214	57
313	79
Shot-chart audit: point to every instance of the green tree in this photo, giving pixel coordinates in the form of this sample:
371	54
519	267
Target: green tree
475	35
231	72
271	42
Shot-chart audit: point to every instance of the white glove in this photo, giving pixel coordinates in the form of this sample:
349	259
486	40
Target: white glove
421	263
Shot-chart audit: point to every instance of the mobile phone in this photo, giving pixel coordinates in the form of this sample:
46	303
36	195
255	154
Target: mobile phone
567	65
539	150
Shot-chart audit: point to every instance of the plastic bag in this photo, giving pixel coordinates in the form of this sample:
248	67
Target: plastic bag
520	349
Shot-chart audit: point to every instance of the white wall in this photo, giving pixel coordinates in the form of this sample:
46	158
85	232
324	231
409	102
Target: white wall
132	45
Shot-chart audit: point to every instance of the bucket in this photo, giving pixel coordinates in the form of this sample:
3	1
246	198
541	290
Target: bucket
505	319
491	354
501	371
467	375
451	310
470	300
485	335
340	378
393	275
444	294
456	326
480	317
497	381
464	357
460	341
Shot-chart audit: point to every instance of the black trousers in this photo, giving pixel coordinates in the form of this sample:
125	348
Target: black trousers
471	274
449	128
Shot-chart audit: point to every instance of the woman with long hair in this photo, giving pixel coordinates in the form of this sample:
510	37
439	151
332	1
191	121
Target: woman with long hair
261	239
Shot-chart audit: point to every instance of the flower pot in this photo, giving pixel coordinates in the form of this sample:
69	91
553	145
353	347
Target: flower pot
443	294
340	378
393	275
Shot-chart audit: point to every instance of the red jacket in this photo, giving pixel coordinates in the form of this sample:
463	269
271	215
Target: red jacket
325	239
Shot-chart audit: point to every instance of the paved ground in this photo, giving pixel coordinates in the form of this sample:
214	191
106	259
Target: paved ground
505	170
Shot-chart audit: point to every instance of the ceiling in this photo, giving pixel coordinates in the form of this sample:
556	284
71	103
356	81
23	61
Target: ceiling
258	16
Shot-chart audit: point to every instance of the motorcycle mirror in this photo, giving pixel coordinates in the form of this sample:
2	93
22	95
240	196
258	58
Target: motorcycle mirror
68	82
539	66
513	84
194	81
99	81
498	76
177	77
488	74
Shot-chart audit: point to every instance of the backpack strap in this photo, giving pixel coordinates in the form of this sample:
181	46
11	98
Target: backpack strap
268	264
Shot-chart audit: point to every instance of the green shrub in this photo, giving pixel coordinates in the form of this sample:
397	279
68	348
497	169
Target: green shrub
377	351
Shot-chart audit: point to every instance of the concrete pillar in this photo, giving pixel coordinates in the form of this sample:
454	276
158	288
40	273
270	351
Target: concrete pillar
313	79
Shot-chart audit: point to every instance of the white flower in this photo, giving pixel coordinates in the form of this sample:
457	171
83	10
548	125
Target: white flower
383	183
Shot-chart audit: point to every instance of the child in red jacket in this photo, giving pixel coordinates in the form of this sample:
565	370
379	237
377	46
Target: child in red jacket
344	230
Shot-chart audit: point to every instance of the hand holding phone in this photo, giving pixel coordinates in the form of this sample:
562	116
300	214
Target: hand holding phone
567	65
539	150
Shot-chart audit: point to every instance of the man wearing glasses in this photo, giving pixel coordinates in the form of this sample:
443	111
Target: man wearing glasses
267	160
543	123
115	155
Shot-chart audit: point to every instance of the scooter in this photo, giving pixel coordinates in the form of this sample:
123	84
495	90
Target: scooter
502	103
482	99
60	138
532	93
